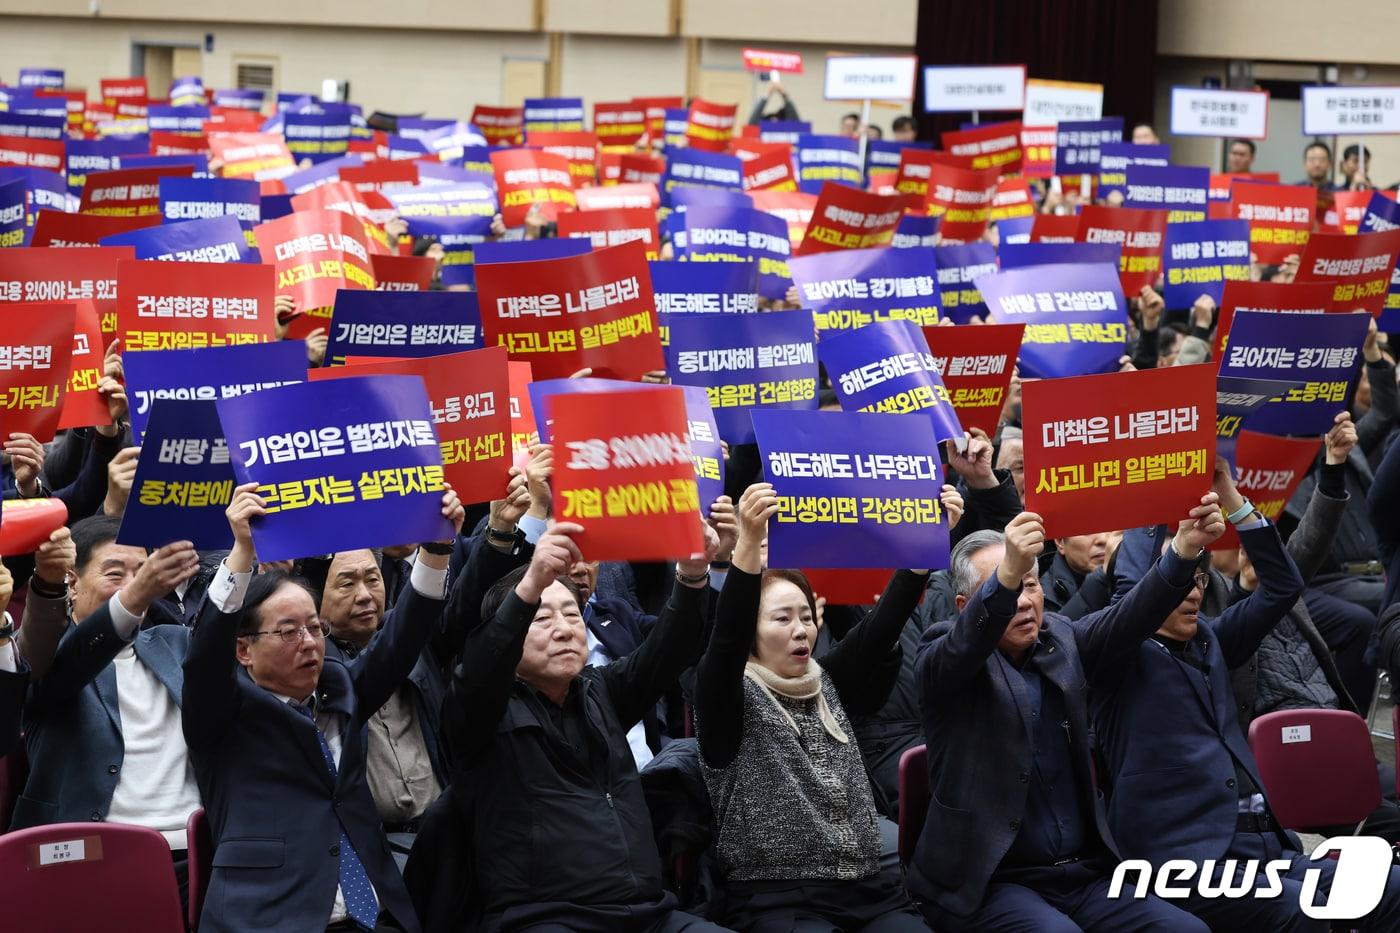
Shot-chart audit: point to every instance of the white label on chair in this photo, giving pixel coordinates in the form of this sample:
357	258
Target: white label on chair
1292	734
52	853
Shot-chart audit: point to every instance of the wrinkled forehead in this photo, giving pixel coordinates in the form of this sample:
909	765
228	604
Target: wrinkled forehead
356	563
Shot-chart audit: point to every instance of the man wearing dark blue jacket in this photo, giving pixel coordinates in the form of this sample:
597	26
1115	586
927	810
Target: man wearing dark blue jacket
14	673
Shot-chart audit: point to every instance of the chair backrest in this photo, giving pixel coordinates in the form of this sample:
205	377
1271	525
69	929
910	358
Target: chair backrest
913	799
89	876
201	864
1318	766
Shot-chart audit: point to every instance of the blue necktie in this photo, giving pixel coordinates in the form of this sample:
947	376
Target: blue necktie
354	880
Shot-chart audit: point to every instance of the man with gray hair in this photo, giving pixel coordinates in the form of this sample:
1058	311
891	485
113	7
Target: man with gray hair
1016	835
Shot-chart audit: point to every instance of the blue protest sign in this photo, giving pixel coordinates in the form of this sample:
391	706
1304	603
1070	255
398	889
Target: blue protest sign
432	174
821	159
409	324
1075	316
454	140
342	464
1320	353
887	368
474	159
547	114
850	288
1019	255
418	127
13	226
100	155
217	239
739	234
883	155
915	231
176	119
531	250
1236	399
207	374
700	169
1077	143
684	198
745	362
187	91
241	98
184	479
41	77
406	147
33	125
433	209
44	189
958	267
854	489
778	131
1384	214
542	391
1199	258
323	173
319	137
673	127
1181	190
691	288
196	161
1014	230
1114	159
202	198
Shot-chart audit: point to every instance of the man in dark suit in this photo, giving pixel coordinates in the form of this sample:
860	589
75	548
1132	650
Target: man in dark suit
275	723
1016	835
14	673
1185	784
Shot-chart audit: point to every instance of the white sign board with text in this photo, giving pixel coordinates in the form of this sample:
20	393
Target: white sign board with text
864	77
964	89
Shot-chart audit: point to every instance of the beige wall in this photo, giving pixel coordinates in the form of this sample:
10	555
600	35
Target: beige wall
875	22
1280	30
613	68
517	15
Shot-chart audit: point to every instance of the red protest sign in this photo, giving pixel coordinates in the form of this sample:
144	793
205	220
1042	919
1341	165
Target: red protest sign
611	227
1012	199
316	253
1359	267
32	153
526	178
963	199
656	108
991	145
881	181
769	60
115	90
36	346
523	431
83	407
609	165
848	218
843	586
381	175
164	142
232	120
402	273
593	311
770	171
915	167
618	197
579	147
1293	298
1220	182
638	168
1280	217
1119	450
976	364
65	274
500	125
28	524
1138	231
1054	228
55	228
1350	208
1037	151
794	207
1270	471
190	305
619	123
128	192
251	155
710	125
623	471
470	398
342	196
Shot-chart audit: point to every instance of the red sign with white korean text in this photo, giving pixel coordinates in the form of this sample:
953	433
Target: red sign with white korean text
501	126
623	470
579	147
710	125
32	153
164	142
65	274
527	178
83	407
848	218
469	394
611	227
991	145
523	430
656	108
1358	266
593	311
610	165
794	207
963	199
1137	230
915	167
232	120
1349	207
1121	449
770	171
55	228
1037	151
976	364
619	124
128	192
36	344
1280	217
381	175
1284	298
1012	199
1220	182
1270	470
402	273
251	155
638	168
769	60
120	89
615	197
191	305
342	196
1054	228
881	181
316	253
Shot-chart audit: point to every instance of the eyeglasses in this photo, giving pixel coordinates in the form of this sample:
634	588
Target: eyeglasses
292	636
1202	580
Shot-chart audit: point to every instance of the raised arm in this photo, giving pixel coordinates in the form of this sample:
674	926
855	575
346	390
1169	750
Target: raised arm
1311	542
45	619
1373	427
1242	627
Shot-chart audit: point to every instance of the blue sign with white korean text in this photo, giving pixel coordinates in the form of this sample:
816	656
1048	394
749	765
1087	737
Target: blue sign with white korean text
176	119
704	288
1236	399
1019	255
684	198
202	198
1114	159
915	231
433	209
406	324
207	374
821	159
1180	190
745	362
553	113
887	368
779	131
1014	230
41	77
883	155
342	464
1384	214
740	234
319	137
323	173
242	98
100	155
853	489
33	125
184	479
44	189
958	267
673	127
1077	143
1199	258
700	169
1075	316
13	229
218	239
850	288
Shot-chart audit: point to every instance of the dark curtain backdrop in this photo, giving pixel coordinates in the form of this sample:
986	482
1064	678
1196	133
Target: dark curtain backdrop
1108	42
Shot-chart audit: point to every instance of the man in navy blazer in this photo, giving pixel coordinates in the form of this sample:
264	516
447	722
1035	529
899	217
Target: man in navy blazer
275	723
1016	835
1185	784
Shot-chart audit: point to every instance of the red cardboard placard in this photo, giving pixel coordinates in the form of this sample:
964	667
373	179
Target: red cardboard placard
991	145
1119	450
164	142
251	155
523	430
1037	151
1293	297
316	253
501	126
65	274
1139	231
36	346
191	305
1359	266
526	178
1280	217
381	175
1012	199
770	171
128	192
976	364
402	273
638	168
619	197
562	315
619	123
83	406
962	198
342	196
610	227
1220	182
55	228
622	470
656	108
1270	470
580	148
119	89
794	207
710	125
28	524
1350	207
1054	228
769	60
848	218
32	153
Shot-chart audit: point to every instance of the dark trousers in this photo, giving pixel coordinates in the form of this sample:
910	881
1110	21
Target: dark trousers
876	904
674	922
180	859
1065	899
1348	629
557	917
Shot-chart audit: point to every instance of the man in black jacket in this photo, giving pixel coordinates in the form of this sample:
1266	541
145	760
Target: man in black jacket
542	769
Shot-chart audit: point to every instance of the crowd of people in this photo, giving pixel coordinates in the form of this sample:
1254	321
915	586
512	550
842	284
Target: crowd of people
491	731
